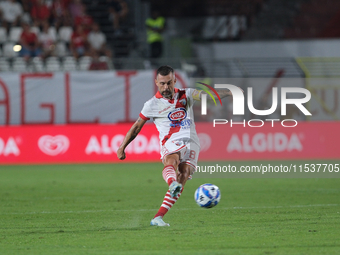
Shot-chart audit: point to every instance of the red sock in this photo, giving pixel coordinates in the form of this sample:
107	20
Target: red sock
168	202
169	174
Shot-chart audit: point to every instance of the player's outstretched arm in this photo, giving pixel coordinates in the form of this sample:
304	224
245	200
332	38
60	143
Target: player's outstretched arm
131	134
221	92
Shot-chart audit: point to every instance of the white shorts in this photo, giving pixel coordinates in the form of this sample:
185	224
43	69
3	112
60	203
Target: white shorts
188	149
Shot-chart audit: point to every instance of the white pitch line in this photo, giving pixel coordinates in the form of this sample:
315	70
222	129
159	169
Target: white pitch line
147	210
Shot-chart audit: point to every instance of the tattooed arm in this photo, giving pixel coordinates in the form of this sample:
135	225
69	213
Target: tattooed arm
222	93
131	134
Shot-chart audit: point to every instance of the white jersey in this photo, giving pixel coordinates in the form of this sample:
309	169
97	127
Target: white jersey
173	118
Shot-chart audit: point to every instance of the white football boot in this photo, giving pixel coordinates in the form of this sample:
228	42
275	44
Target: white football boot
158	221
175	188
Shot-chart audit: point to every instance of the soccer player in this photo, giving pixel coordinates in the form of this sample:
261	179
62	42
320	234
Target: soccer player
172	113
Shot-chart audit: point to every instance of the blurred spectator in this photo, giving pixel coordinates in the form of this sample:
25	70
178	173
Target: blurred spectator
27	5
75	8
118	11
60	13
97	41
11	12
40	13
47	41
96	64
29	43
155	26
78	45
83	19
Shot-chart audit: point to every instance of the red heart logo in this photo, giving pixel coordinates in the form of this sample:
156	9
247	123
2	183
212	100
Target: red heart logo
53	145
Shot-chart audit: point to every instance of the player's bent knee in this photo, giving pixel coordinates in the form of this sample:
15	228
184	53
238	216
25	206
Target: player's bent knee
172	159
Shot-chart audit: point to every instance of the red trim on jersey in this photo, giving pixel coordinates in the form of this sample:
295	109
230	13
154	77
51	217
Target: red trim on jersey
172	130
172	152
158	95
143	117
175	129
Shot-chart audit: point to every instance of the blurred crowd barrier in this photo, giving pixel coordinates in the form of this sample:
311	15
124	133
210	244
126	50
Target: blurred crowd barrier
76	97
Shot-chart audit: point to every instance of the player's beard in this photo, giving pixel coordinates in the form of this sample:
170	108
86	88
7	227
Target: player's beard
167	94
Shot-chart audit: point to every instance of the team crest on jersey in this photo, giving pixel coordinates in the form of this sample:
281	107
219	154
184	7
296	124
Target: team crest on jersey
178	114
178	143
183	102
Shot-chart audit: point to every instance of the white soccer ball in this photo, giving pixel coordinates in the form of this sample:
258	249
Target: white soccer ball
207	195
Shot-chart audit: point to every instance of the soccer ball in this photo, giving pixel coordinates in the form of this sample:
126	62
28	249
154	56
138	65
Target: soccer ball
207	195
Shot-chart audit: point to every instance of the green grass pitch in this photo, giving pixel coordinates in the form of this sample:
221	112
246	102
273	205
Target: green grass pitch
106	209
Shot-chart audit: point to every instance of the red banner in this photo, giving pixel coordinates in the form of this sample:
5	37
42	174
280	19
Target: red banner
98	143
316	140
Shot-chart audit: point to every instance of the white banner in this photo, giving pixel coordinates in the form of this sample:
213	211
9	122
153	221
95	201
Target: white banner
76	97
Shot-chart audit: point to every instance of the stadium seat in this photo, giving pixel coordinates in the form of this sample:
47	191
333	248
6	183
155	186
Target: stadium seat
65	34
53	33
4	65
53	67
3	35
234	26
70	64
15	33
19	65
61	49
38	65
53	64
107	61
19	60
26	18
8	50
84	63
209	27
35	30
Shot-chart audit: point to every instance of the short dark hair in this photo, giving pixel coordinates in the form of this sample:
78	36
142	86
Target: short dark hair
164	70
